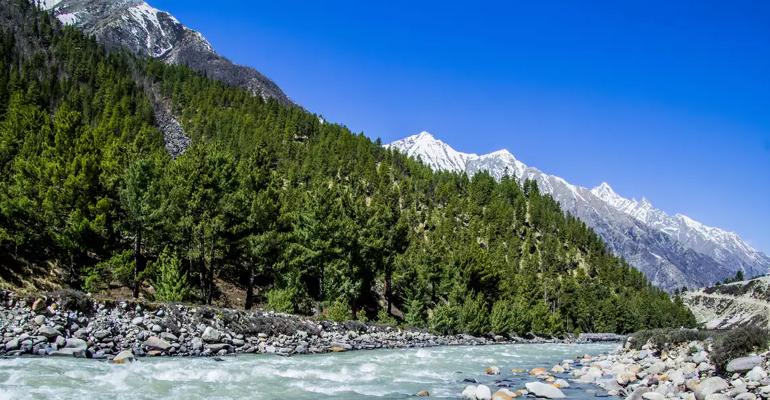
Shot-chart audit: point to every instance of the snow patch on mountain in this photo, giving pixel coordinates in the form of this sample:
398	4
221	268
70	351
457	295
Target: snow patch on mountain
68	19
49	4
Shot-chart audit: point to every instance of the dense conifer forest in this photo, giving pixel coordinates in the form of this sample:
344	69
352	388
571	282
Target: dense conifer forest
306	216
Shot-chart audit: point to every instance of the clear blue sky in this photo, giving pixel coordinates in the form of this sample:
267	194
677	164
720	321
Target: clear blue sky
664	99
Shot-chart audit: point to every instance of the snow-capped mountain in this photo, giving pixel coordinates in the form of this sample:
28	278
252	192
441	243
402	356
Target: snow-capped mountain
724	247
146	31
673	251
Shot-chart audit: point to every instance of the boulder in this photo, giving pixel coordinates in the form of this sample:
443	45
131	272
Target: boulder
101	334
156	343
75	343
700	357
69	352
557	369
653	396
591	376
493	371
422	393
211	335
469	393
609	385
124	357
756	374
639	393
197	344
540	389
744	364
676	377
656	368
746	396
38	305
169	337
501	396
48	332
718	396
562	383
39	320
12	345
217	347
538	371
624	378
709	386
483	393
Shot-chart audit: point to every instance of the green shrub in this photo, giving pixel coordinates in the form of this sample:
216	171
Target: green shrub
444	320
361	316
171	284
339	311
282	300
474	316
415	314
738	343
502	318
667	338
384	318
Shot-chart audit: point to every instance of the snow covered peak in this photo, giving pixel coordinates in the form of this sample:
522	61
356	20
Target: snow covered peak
433	152
504	153
604	192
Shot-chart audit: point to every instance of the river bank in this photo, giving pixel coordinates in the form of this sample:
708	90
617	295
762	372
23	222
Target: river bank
683	371
77	325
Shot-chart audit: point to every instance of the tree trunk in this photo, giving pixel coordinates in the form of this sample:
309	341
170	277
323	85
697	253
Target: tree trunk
387	285
140	263
211	274
250	290
202	267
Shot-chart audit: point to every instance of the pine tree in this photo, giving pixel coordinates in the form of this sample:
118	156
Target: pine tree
171	284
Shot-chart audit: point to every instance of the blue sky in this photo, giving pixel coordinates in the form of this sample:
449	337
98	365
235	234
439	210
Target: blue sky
664	99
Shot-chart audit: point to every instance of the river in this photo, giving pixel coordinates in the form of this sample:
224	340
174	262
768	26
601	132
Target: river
377	374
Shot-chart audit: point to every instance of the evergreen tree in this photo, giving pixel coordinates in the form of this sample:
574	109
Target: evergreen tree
171	284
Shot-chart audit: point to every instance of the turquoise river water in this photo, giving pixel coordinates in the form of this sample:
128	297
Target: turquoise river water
377	374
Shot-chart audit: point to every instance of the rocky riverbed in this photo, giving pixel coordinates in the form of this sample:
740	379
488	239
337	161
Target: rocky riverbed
75	325
683	372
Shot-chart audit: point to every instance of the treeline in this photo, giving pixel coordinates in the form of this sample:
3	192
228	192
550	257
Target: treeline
307	216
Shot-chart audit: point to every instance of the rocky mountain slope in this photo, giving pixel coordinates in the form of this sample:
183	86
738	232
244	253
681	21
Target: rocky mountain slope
732	305
146	31
673	251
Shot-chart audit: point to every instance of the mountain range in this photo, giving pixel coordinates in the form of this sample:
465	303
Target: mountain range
672	250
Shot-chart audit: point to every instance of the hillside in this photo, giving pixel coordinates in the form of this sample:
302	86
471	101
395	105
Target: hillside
306	217
146	31
672	251
732	305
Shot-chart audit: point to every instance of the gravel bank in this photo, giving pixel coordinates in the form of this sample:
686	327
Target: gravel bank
78	326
